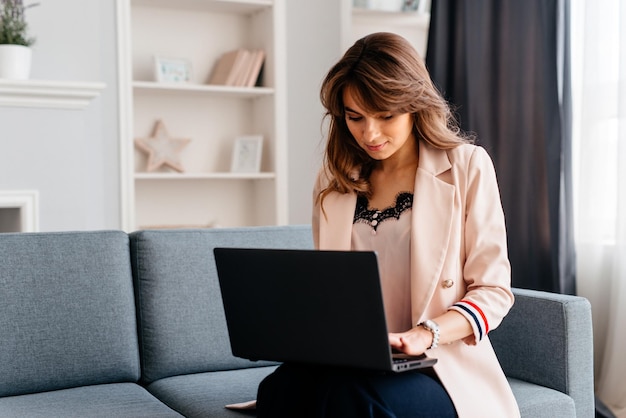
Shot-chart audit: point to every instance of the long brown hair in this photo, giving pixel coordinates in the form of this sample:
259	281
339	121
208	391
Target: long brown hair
386	74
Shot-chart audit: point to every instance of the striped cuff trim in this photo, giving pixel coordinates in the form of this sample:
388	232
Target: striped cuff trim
477	315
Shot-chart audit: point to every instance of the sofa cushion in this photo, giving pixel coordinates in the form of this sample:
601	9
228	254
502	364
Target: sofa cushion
112	400
536	401
182	328
67	312
206	394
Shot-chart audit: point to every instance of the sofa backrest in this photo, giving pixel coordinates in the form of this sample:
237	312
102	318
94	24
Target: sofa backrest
67	313
182	328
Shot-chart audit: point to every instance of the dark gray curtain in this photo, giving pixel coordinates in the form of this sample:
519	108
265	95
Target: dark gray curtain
504	67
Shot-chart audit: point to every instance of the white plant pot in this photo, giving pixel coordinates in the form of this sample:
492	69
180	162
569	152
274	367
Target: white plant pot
15	62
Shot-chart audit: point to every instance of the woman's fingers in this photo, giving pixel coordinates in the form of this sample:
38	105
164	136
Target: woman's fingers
412	342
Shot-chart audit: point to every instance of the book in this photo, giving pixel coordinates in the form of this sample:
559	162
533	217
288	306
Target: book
239	67
240	70
225	69
256	62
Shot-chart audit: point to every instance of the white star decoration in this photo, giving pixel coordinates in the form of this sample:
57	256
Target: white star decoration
162	149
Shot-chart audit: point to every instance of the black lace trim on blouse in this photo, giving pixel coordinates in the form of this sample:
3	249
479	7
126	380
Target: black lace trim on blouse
373	217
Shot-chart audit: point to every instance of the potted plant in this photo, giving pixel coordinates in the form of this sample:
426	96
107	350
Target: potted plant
15	52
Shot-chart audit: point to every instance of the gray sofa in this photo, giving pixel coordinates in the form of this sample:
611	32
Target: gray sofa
109	324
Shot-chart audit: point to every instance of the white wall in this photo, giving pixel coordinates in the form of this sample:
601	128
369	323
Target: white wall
70	156
313	46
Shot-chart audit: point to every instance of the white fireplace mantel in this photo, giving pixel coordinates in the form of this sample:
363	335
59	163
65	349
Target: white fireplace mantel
48	94
27	203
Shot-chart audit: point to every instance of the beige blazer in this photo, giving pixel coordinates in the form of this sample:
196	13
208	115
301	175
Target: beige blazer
458	253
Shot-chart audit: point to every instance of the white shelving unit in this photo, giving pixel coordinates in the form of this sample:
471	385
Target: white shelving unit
211	116
360	21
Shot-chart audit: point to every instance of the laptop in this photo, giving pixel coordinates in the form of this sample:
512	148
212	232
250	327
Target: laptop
308	306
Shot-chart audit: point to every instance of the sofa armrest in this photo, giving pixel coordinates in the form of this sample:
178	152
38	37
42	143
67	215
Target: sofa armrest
547	339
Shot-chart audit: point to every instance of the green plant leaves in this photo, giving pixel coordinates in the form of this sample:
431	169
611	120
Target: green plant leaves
13	26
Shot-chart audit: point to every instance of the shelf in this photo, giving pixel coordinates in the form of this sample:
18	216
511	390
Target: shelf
212	115
48	94
205	176
401	18
149	87
413	25
219	6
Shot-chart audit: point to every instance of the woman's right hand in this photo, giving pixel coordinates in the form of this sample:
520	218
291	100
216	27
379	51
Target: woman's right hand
412	342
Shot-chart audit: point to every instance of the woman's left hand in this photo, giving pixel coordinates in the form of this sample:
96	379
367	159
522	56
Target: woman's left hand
413	342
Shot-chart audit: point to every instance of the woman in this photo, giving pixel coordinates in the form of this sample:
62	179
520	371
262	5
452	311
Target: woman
401	179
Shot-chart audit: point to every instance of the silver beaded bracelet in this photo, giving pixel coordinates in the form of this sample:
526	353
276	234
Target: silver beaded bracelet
431	326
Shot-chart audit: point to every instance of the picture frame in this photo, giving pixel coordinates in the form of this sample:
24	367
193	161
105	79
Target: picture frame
247	152
172	70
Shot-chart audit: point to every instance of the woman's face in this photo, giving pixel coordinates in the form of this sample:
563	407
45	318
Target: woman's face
382	134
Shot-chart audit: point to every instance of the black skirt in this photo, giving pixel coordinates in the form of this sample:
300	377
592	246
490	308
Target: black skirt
298	391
